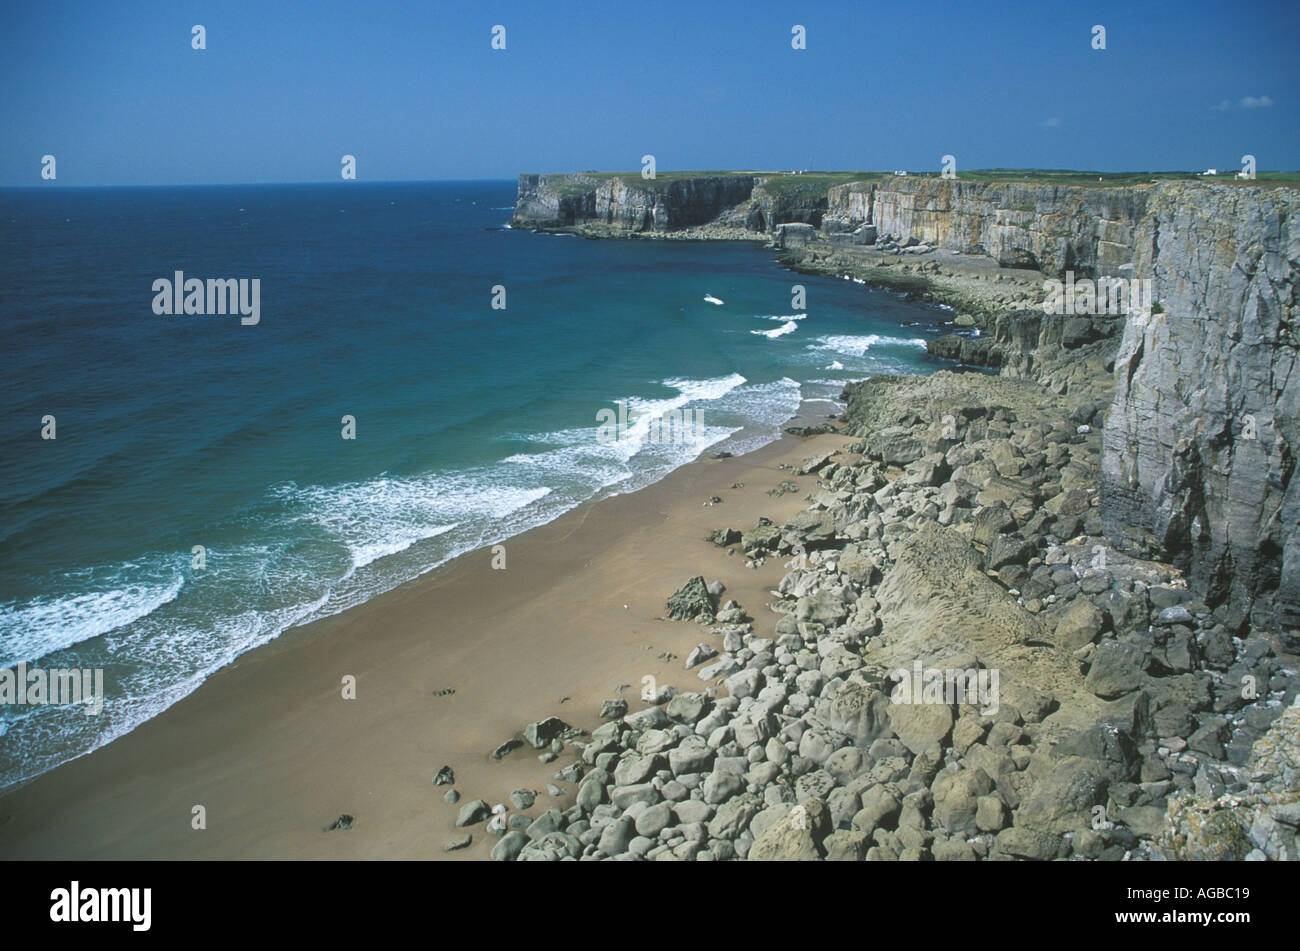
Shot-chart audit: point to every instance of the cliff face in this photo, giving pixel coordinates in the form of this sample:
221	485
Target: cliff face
1052	228
548	201
1201	438
1200	445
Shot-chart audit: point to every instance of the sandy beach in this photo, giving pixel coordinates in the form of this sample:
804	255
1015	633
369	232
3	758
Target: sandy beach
272	751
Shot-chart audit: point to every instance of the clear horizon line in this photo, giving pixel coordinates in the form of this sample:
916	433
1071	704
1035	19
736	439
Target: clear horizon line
634	171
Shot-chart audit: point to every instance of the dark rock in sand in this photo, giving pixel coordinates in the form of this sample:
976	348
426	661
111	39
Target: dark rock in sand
691	601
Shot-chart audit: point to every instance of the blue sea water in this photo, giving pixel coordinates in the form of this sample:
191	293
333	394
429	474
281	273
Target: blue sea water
472	423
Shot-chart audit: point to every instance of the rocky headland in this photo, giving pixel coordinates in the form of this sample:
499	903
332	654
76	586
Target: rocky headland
1089	549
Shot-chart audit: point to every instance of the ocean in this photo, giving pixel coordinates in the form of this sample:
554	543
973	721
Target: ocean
199	496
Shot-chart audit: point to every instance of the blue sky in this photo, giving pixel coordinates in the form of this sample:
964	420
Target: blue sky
413	89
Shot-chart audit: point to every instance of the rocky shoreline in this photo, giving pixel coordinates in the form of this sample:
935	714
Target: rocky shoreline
957	533
1021	532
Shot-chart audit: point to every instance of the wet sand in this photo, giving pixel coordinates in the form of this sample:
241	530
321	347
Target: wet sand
274	753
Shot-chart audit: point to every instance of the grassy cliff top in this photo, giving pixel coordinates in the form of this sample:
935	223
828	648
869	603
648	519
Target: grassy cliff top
788	184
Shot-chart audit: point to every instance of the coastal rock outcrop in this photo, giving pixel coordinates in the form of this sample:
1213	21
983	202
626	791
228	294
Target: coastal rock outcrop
1201	442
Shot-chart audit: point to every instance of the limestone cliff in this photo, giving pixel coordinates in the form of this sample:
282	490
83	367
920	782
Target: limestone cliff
555	201
1052	228
1200	441
1200	445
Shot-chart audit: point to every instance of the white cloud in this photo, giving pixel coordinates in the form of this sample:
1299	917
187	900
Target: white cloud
1247	102
1051	123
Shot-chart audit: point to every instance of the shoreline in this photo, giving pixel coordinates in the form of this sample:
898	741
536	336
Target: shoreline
274	753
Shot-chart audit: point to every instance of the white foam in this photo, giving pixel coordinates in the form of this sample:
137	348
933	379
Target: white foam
43	625
384	516
788	327
712	300
858	346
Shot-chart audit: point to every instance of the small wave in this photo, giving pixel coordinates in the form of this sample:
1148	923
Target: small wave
43	625
384	516
710	389
788	327
363	555
712	300
780	316
834	365
859	345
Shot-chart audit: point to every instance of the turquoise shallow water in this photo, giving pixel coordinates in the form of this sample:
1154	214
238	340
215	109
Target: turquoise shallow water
472	423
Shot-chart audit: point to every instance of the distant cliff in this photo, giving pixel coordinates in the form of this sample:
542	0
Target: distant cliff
1201	437
563	201
1053	228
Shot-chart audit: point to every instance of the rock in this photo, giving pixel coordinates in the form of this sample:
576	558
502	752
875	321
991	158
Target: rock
541	733
721	786
451	796
699	655
725	537
921	725
687	707
956	797
732	818
1147	822
1177	614
615	837
846	846
444	777
692	755
880	809
1009	550
613	709
690	811
507	747
654	820
651	718
473	812
1116	669
1027	844
796	837
692	601
1062	798
549	821
523	799
590	794
990	814
720	668
633	768
766	537
458	843
343	822
508	849
624	796
1080	625
861	712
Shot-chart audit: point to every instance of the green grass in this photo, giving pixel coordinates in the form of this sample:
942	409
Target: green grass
811	184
